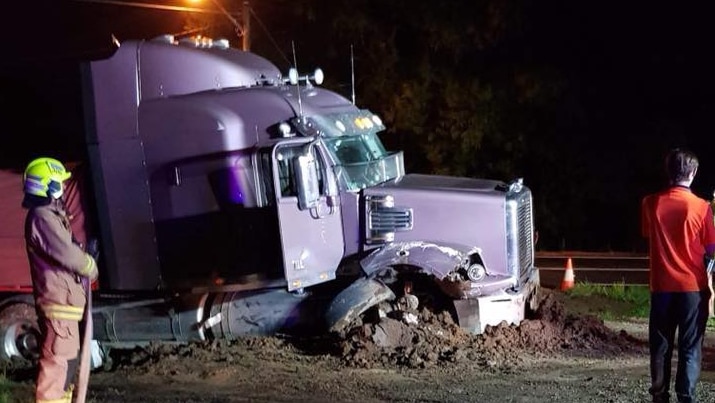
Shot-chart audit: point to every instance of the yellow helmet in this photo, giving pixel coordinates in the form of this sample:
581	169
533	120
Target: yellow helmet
44	176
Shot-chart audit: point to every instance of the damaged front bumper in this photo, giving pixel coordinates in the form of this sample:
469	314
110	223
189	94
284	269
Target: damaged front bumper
475	313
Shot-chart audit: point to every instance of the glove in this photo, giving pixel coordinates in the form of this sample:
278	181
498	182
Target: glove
709	262
93	248
92	274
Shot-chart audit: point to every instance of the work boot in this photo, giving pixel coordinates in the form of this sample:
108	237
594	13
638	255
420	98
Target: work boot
661	397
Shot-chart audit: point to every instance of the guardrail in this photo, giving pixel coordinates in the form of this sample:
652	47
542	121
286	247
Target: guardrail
595	268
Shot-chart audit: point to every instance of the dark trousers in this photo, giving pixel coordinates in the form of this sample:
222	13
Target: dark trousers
688	313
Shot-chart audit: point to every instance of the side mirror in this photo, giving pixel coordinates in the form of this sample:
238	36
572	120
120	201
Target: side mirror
306	170
331	189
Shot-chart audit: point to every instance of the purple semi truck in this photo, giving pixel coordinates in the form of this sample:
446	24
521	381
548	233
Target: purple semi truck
232	200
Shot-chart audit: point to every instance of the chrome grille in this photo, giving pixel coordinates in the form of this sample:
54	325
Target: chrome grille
526	234
390	219
384	219
520	233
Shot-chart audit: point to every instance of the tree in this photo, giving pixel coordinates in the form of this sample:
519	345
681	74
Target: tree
474	88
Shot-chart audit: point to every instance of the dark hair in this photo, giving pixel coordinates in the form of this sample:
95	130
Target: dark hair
680	164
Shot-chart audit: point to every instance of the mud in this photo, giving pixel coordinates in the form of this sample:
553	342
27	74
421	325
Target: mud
412	339
411	354
434	339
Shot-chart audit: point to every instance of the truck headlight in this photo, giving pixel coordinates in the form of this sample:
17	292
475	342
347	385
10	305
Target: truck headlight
476	272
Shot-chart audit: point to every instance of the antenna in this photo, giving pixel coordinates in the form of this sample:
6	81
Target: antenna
295	63
352	72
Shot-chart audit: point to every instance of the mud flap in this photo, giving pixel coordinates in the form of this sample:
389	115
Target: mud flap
357	298
474	315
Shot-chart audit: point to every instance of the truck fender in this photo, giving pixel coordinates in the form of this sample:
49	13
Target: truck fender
355	299
436	259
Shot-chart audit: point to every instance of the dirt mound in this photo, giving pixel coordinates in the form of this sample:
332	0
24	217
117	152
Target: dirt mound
434	338
407	338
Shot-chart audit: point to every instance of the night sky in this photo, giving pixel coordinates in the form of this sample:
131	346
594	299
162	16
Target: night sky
643	72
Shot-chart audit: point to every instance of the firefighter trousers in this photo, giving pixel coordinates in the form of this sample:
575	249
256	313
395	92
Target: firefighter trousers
59	358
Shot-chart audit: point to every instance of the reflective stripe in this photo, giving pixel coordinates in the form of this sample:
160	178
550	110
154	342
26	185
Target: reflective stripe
88	267
68	312
65	316
65	308
64	399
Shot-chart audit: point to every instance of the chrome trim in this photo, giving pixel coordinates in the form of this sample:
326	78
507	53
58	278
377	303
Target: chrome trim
384	219
520	235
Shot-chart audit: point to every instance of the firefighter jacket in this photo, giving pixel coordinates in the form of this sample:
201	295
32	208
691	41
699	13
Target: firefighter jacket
57	263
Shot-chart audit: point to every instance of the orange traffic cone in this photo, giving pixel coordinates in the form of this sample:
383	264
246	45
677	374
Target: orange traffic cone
568	281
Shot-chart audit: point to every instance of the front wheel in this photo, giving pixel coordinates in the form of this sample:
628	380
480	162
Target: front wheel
357	298
19	333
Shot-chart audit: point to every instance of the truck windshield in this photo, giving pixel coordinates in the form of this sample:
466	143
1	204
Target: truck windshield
359	157
362	161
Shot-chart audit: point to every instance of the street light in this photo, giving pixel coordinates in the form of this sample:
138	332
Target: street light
147	5
242	29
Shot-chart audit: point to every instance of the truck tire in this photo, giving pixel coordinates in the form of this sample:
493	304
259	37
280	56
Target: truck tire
19	333
357	298
535	297
534	301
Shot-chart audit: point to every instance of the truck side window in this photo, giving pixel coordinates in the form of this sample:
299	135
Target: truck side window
321	179
285	157
285	172
232	181
226	187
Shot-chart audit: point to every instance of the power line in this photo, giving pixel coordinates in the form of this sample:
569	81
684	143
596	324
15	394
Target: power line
237	26
151	6
270	37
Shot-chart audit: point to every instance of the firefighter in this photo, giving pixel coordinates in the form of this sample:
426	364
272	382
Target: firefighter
59	267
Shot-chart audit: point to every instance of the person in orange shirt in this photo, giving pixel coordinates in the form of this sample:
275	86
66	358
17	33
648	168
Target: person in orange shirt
681	236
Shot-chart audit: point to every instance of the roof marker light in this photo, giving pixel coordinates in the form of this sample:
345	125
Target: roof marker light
318	76
221	43
284	129
293	76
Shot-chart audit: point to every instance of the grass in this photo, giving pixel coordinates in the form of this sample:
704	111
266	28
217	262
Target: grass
13	392
614	301
5	393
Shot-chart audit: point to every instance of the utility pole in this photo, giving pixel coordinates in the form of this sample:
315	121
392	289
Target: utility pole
246	14
242	30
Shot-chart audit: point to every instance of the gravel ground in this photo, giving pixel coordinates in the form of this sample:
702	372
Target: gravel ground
557	356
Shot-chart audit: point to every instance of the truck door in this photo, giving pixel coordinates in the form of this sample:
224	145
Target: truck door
308	214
